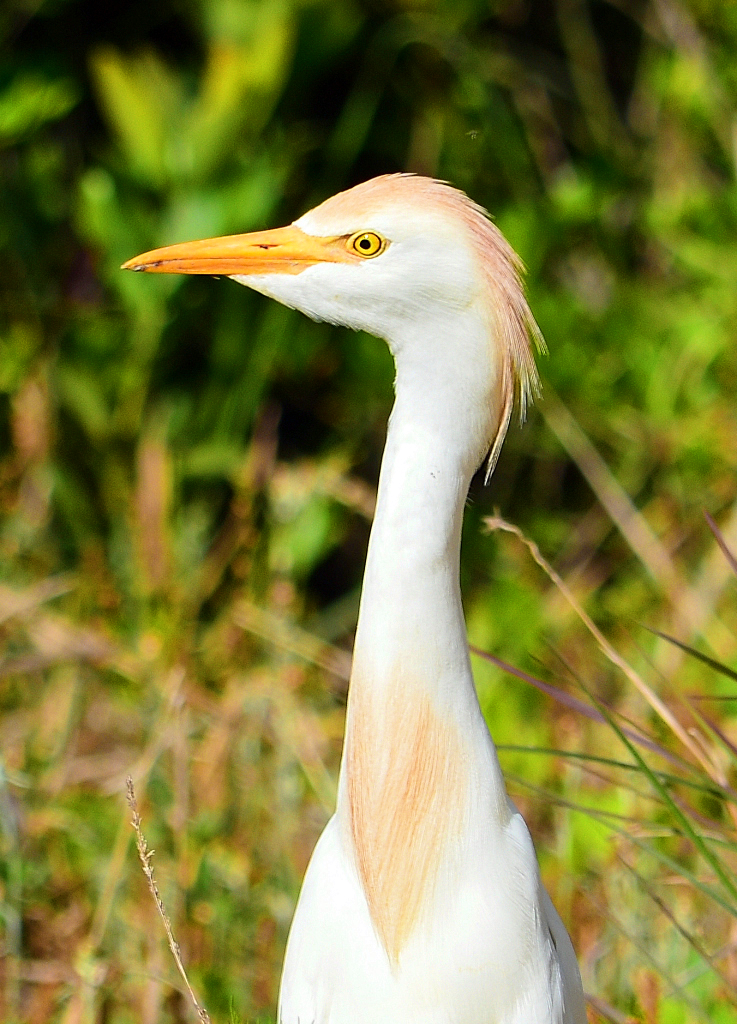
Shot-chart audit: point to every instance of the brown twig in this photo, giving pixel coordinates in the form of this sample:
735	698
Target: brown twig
145	856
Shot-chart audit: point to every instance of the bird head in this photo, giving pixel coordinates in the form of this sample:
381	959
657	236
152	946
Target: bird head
395	256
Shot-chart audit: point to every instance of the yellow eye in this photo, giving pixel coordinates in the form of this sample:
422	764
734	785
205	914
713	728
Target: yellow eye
367	244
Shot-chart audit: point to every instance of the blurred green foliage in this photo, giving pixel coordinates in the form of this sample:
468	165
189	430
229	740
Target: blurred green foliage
186	470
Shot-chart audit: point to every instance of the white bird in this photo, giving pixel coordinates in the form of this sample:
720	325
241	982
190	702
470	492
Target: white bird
422	903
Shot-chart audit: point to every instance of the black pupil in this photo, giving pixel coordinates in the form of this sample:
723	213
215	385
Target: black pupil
365	243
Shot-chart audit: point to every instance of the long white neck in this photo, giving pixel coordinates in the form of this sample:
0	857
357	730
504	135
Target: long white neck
416	744
411	620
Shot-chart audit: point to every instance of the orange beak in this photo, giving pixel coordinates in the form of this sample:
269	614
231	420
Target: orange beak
279	251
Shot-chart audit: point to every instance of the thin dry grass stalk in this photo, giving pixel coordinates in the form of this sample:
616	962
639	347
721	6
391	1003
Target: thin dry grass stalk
719	538
692	603
289	637
145	856
24	602
630	522
666	715
606	1012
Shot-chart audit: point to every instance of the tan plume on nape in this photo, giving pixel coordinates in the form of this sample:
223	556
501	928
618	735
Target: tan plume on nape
514	329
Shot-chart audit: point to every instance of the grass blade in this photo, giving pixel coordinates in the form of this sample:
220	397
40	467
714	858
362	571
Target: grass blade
719	538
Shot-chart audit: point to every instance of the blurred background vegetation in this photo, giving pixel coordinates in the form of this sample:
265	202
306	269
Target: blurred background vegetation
187	477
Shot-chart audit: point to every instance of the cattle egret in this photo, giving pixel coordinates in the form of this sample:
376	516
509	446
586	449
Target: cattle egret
422	903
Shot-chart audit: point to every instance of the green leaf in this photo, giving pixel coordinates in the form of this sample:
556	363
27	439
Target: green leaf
242	81
142	102
30	102
80	393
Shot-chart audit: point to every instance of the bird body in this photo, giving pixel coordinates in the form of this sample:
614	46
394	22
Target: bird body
422	902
